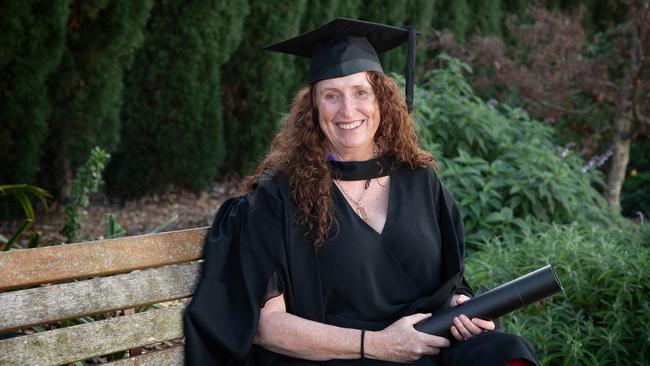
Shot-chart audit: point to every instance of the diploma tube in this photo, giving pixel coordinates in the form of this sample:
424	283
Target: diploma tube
494	303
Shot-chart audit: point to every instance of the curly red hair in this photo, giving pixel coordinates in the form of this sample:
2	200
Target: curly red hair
299	151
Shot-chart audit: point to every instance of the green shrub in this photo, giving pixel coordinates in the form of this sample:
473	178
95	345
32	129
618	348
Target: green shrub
500	164
87	181
172	118
31	44
602	316
260	83
85	91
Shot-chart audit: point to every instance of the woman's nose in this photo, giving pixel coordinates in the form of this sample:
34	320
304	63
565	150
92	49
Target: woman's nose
348	105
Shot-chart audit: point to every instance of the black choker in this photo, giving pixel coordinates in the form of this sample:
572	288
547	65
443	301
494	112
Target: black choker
359	170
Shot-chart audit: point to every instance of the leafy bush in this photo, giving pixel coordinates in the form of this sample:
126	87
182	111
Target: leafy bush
602	316
501	165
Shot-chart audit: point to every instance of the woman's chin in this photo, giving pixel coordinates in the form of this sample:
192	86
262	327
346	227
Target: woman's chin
354	150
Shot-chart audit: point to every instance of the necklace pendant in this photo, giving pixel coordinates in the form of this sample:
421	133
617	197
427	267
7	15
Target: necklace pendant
362	213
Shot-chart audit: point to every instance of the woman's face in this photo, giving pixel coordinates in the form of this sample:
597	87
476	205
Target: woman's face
348	115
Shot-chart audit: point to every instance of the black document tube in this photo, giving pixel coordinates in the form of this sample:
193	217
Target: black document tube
494	303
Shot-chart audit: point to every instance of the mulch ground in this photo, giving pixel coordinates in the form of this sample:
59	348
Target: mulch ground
185	210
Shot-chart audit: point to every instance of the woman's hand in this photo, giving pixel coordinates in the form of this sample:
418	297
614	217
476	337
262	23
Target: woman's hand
463	327
400	342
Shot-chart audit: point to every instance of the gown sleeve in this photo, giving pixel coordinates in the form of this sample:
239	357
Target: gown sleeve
243	256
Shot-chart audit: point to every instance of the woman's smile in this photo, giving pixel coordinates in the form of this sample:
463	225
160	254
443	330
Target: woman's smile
350	125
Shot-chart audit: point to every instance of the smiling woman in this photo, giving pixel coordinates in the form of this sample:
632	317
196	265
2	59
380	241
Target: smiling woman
345	238
348	116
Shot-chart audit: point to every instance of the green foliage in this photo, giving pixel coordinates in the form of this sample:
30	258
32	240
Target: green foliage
602	316
349	9
454	15
22	193
86	90
319	12
260	83
14	238
488	16
88	180
113	228
31	44
501	165
172	122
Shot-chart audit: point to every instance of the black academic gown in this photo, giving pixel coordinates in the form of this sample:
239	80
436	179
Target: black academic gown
360	279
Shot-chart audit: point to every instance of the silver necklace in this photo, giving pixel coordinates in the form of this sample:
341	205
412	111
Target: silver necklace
360	209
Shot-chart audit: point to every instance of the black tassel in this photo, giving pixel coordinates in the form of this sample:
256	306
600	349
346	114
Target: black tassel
410	67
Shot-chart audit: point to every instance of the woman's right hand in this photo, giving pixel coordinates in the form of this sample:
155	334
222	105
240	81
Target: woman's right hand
400	342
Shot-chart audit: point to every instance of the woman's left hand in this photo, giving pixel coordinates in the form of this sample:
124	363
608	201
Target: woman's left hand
464	328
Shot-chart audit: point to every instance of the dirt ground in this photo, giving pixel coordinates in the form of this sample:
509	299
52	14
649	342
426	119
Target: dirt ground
185	210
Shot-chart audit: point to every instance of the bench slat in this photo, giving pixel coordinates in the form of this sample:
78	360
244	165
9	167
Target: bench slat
26	267
84	341
167	357
25	308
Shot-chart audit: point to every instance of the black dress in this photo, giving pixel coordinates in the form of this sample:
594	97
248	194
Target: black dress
359	279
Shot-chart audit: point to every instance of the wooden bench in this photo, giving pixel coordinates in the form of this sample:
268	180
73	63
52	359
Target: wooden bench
73	281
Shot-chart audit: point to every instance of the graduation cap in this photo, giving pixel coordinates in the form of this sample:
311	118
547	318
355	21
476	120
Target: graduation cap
345	46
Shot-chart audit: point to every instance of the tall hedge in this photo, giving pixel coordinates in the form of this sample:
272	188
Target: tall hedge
319	12
31	43
172	124
487	15
392	13
455	15
260	84
86	89
421	14
349	9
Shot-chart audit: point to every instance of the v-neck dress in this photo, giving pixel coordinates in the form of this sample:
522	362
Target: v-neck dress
372	278
359	279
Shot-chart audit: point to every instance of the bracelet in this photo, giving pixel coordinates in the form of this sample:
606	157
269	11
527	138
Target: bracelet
361	351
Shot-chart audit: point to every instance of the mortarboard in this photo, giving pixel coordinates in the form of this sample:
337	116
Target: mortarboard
345	46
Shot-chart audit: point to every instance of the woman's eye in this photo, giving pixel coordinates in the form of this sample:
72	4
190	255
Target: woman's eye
331	97
362	93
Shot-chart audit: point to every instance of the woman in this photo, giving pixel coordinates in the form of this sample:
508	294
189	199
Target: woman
346	237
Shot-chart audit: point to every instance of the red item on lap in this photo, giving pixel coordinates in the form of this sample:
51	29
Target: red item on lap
518	362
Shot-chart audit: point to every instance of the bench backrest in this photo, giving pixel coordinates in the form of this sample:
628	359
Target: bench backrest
94	278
